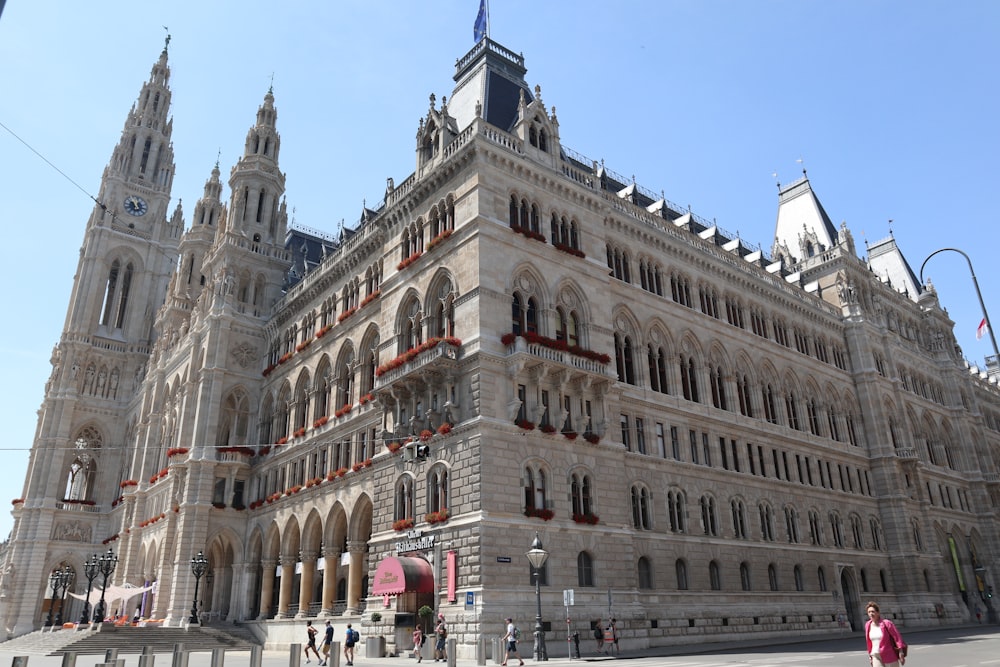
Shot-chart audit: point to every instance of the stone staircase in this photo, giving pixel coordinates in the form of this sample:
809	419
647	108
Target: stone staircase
129	639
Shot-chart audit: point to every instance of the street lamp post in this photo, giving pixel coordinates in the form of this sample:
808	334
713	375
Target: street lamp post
975	283
106	565
55	583
536	556
67	575
89	571
199	565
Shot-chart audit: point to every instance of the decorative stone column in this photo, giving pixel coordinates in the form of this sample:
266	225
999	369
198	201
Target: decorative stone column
354	575
266	588
332	560
285	588
306	584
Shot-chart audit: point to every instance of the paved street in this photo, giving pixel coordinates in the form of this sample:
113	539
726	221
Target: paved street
959	647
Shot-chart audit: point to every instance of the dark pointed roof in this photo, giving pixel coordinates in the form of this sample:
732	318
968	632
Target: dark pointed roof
492	75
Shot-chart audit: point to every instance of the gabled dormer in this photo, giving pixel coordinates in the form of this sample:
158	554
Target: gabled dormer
538	131
436	130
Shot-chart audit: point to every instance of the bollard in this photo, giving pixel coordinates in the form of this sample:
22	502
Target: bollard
69	659
147	659
180	658
111	655
481	650
451	644
119	662
218	657
334	660
256	655
294	655
19	661
495	644
576	645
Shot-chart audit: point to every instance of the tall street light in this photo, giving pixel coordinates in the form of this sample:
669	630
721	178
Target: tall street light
105	566
536	556
975	283
67	575
199	565
89	571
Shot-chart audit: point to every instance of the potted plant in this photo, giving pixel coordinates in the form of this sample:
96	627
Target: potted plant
375	645
426	615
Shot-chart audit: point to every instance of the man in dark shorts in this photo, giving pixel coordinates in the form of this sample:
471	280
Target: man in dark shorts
327	643
311	642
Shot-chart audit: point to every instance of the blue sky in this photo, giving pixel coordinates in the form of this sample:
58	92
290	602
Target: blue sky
891	105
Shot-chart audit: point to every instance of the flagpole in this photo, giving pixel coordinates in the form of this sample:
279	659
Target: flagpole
487	19
982	304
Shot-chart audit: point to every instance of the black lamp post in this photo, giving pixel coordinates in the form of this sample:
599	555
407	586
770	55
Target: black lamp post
199	565
55	583
975	283
536	556
106	565
67	575
89	571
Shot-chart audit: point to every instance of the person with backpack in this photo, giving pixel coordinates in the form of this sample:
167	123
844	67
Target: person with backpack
599	635
440	648
510	641
350	640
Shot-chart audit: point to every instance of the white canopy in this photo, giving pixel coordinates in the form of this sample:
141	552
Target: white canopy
112	593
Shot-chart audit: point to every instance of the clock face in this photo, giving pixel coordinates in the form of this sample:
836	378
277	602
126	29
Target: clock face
135	205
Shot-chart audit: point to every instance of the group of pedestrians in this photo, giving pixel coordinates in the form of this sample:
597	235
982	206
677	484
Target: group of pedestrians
885	645
350	639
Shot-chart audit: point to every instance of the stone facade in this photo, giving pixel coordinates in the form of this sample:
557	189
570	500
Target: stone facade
516	341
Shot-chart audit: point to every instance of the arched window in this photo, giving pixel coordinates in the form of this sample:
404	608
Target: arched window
792	525
772	576
437	489
624	358
739	518
645	572
689	379
234	422
709	520
797	573
524	315
681	568
714	576
403	505
821	578
580	493
640	508
568	329
676	510
658	370
585	570
534	490
745	582
766	522
743	392
717	380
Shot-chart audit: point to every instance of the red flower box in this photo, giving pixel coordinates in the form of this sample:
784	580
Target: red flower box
547	428
426	435
543	514
402	524
589	518
445	428
592	438
525	424
177	451
394	446
437	517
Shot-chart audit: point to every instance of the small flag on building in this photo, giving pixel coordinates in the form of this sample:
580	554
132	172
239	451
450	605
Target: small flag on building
983	328
480	29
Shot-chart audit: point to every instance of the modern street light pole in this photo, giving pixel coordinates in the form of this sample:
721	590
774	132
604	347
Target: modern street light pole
536	556
105	566
199	565
89	571
975	283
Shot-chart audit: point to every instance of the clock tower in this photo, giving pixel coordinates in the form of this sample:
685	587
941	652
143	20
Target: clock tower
128	255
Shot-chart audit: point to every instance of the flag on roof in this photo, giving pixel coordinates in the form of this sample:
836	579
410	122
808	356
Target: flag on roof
983	328
479	30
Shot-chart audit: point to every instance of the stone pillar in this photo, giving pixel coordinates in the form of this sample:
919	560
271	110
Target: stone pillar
332	560
354	574
306	584
285	588
266	588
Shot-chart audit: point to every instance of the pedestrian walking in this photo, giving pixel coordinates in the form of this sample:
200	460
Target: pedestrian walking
418	641
599	635
441	632
886	647
311	642
327	644
352	637
510	640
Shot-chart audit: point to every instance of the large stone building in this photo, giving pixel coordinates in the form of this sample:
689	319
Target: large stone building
710	440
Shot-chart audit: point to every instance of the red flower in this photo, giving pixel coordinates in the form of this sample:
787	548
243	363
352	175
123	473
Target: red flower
539	513
402	524
592	438
547	428
426	435
525	424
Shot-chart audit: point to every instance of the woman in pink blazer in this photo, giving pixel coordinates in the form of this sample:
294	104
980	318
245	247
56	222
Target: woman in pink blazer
886	647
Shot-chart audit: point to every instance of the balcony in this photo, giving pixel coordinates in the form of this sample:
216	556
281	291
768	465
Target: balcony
436	355
534	350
